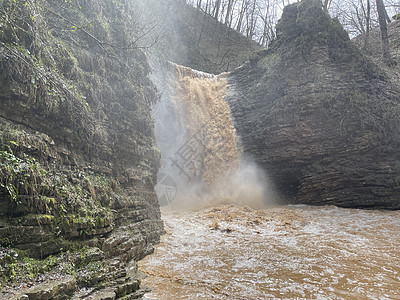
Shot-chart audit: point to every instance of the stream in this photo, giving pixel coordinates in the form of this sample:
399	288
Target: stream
234	252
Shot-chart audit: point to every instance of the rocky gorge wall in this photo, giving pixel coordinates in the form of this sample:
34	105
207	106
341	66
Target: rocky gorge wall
78	160
318	116
180	33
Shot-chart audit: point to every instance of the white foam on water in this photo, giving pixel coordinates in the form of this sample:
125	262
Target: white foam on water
284	252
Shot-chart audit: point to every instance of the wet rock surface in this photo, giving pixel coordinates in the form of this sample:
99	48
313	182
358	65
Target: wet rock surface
319	116
78	161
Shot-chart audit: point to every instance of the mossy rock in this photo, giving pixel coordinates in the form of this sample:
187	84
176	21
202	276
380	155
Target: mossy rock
304	25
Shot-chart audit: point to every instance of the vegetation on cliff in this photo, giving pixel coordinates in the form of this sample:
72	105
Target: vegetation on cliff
78	163
179	33
320	116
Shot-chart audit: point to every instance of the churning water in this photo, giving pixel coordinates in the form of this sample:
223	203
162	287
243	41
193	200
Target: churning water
194	132
233	252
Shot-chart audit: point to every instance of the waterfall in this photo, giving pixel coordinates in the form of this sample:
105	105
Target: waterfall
197	139
211	137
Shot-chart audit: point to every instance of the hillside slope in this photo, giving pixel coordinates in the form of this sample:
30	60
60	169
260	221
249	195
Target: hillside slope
177	32
374	48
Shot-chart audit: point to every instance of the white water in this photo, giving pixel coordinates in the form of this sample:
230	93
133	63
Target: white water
232	252
235	252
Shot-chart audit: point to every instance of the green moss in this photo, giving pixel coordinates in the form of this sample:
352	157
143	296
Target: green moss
17	175
92	275
37	219
71	201
83	262
25	62
63	64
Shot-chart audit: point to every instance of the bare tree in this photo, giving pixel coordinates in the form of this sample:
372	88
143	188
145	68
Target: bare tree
241	16
327	4
367	24
217	6
383	26
257	18
251	19
228	12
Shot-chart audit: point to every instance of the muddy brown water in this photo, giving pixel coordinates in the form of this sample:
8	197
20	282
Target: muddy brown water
232	252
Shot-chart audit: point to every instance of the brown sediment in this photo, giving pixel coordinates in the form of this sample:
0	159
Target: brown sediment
234	252
208	119
247	216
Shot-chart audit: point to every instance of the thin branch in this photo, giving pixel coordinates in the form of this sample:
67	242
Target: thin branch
102	44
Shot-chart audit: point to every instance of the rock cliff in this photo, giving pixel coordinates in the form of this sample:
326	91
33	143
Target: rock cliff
319	116
78	161
180	33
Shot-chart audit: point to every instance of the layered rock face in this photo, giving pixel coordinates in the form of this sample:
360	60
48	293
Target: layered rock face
318	116
78	161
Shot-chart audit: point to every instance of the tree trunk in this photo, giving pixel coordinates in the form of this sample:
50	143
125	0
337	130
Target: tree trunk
208	5
228	12
216	8
326	5
241	15
384	35
367	25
